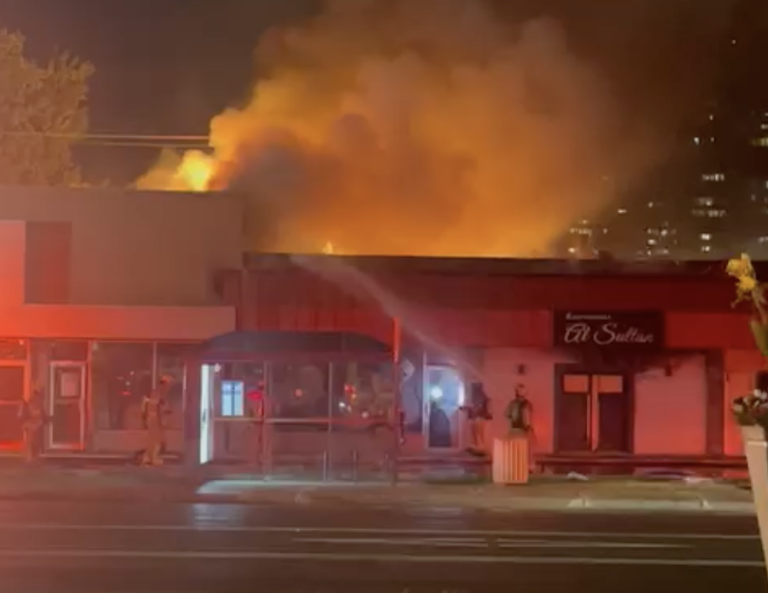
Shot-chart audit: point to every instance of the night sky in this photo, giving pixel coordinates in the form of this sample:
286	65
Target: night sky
167	66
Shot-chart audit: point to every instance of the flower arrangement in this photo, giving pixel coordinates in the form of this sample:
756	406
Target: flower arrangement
751	410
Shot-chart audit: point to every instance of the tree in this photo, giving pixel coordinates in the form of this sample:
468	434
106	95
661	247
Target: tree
42	114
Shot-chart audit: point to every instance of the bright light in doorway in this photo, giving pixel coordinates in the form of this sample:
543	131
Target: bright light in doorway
436	392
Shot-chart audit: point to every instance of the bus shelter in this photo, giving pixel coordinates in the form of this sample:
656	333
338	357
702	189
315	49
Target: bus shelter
290	404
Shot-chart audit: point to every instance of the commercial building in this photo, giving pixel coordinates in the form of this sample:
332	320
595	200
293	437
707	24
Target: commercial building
347	360
104	291
618	360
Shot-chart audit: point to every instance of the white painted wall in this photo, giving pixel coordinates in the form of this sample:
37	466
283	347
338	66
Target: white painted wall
740	369
670	412
500	375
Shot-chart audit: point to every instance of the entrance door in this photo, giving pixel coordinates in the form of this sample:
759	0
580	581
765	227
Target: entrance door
593	414
443	398
13	378
66	406
207	401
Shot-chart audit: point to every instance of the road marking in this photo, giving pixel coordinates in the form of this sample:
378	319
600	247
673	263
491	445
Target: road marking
213	527
430	542
603	545
398	558
475	543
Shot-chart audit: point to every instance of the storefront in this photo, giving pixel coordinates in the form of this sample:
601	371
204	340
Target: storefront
657	384
94	373
319	403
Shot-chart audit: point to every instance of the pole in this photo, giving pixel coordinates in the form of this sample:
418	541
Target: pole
397	403
327	459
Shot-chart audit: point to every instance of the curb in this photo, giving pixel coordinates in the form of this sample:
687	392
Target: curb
574	505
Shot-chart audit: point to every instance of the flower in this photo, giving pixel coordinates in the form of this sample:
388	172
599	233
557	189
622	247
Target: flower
740	267
747	286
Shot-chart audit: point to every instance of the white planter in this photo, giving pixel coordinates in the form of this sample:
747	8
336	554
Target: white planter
510	460
756	450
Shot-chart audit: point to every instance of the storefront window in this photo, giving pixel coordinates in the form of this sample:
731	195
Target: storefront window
13	349
299	390
411	391
121	377
171	358
363	391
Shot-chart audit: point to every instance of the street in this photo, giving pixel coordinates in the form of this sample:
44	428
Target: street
169	548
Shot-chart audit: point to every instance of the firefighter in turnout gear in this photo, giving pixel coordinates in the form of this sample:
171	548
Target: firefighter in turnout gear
153	411
33	419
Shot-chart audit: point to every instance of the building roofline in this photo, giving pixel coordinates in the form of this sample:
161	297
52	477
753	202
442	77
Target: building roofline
499	266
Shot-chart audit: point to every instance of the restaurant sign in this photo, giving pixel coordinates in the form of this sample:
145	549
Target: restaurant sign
632	330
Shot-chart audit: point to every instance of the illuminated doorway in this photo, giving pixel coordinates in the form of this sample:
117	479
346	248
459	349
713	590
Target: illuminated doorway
443	400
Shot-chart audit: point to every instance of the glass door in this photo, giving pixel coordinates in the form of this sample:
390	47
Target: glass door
66	406
13	379
444	397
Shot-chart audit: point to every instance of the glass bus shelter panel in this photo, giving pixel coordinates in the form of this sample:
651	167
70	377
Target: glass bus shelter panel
364	430
297	428
238	406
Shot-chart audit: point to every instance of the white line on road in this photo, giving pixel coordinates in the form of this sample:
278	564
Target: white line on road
214	527
430	542
475	543
397	558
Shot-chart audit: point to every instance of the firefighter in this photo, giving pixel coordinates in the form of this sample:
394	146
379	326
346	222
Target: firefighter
33	419
153	412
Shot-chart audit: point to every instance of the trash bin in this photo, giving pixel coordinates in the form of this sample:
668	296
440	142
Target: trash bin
511	463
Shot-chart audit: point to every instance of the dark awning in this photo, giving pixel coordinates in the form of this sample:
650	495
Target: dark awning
282	344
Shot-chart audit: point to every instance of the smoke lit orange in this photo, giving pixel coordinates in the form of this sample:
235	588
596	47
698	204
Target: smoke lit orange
416	128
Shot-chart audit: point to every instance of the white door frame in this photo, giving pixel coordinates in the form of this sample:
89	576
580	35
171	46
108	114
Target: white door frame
52	401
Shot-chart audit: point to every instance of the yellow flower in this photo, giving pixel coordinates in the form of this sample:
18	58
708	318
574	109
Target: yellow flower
740	267
746	284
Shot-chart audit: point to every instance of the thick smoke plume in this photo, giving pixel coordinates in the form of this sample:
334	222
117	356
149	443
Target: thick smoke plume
418	127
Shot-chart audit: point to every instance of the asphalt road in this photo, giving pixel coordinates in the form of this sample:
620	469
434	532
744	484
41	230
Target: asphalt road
124	548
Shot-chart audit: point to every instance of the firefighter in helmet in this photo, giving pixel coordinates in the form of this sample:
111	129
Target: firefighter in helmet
154	409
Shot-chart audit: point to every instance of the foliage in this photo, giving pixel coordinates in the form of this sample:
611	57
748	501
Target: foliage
751	410
42	113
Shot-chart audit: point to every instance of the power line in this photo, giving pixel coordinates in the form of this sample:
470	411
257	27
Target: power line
156	145
107	136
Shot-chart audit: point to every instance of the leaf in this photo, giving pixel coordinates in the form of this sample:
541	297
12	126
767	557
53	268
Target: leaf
760	334
43	113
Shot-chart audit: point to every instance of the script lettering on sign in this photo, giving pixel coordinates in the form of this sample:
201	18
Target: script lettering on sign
604	330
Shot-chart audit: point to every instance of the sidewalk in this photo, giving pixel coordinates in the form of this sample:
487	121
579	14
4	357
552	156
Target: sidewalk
179	485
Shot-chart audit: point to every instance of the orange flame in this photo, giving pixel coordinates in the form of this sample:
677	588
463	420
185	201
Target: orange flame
196	171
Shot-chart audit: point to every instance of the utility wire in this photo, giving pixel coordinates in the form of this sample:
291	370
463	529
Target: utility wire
102	136
156	145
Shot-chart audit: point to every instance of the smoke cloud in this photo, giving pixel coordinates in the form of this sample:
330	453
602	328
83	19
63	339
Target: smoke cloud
422	127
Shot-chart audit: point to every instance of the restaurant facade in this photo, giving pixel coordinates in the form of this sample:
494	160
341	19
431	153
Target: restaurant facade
616	360
98	303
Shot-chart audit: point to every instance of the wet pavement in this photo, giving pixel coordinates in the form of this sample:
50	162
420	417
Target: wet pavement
122	547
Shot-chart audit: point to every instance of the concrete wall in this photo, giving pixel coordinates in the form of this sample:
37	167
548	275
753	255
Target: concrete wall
135	248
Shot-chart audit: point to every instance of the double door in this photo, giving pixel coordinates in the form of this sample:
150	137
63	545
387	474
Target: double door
66	406
593	414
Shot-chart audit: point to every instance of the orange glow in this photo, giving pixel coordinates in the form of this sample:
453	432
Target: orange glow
196	170
389	130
